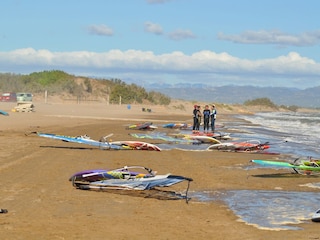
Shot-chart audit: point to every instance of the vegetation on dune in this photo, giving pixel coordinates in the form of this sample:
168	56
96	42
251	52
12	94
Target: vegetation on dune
268	103
260	102
57	82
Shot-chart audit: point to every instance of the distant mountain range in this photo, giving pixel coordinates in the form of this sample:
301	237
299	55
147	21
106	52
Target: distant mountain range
309	97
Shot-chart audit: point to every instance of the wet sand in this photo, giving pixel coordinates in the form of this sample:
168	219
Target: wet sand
42	203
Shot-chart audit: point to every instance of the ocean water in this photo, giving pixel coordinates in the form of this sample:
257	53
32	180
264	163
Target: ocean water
268	210
294	134
291	133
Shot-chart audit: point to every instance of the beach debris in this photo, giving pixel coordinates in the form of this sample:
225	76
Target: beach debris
4	113
2	210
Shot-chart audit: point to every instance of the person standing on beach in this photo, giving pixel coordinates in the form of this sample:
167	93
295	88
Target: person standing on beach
196	118
213	117
206	118
194	114
199	115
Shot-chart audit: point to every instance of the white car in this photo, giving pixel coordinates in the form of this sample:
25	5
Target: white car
24	97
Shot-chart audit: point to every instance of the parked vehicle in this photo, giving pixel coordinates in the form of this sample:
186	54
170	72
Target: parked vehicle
8	97
24	97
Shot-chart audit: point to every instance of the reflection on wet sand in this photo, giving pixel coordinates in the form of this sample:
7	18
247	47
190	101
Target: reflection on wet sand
270	210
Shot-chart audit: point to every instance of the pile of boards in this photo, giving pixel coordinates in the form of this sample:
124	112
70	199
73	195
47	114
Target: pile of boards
24	107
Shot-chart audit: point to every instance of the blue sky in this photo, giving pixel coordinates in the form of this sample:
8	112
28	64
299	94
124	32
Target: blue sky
231	42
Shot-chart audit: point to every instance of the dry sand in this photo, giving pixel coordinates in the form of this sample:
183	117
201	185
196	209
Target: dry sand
42	203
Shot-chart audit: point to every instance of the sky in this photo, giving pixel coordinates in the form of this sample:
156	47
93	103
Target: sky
231	42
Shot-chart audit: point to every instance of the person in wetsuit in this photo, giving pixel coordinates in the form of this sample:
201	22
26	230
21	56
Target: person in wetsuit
206	118
194	114
196	118
213	117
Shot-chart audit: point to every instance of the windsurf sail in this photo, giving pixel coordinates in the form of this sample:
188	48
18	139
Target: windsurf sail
83	139
252	146
128	177
164	137
300	166
142	126
216	135
177	125
137	145
201	138
103	143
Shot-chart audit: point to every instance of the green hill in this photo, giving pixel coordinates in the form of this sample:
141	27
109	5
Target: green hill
64	85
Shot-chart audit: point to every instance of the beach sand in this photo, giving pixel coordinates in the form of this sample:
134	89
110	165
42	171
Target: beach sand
42	204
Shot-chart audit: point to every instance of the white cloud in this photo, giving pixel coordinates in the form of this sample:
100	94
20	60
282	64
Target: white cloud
153	28
101	30
176	35
274	37
204	66
181	34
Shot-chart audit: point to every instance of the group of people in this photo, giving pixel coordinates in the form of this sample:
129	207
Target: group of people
209	118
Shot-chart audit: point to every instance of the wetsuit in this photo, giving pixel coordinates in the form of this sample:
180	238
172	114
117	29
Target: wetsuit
199	120
195	119
213	116
206	119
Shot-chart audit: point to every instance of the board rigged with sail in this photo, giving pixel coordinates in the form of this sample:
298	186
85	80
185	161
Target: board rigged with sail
253	146
142	126
301	166
164	137
126	178
103	143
